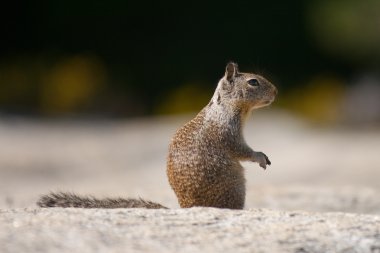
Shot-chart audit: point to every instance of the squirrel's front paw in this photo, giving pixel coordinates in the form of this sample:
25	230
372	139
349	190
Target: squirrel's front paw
262	159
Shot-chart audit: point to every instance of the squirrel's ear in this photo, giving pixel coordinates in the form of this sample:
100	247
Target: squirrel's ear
231	71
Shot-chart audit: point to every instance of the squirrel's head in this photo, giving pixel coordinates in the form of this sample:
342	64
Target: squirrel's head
244	89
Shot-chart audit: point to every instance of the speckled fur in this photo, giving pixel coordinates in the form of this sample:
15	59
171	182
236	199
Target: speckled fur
203	165
72	200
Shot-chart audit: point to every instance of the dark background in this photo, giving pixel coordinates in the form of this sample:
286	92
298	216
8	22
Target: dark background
132	58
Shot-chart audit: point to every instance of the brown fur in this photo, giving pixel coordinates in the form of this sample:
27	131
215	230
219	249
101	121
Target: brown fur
72	200
203	165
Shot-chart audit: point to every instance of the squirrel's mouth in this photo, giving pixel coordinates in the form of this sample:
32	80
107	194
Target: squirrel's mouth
267	102
263	103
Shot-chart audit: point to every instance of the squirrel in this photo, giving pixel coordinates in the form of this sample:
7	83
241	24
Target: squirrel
203	164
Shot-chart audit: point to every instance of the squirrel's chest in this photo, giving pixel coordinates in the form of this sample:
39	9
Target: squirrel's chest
201	161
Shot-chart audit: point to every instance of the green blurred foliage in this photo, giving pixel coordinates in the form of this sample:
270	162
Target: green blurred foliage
19	82
348	29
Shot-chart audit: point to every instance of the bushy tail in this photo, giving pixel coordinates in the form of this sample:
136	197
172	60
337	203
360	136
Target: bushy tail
62	199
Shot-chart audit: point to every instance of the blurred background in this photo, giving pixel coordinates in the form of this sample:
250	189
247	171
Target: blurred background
134	58
92	86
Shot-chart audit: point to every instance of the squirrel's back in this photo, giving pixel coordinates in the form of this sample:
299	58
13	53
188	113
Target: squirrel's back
200	168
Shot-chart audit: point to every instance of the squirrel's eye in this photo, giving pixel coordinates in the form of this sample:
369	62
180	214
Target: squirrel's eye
253	82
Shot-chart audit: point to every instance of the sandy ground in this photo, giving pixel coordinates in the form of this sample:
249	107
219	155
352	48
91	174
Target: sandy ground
314	169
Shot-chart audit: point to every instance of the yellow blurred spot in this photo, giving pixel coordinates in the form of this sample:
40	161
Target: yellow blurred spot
71	84
187	98
319	101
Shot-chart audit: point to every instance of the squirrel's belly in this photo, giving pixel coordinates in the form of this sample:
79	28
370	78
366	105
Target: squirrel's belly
207	184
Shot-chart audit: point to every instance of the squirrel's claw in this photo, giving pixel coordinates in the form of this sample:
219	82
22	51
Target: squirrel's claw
262	159
267	160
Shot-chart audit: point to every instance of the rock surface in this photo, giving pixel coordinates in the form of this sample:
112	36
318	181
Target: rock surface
332	174
313	169
185	230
